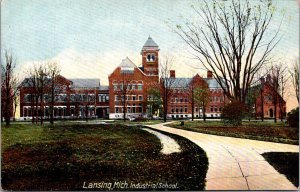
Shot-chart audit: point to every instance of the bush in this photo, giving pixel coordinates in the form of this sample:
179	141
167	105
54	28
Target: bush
234	112
293	118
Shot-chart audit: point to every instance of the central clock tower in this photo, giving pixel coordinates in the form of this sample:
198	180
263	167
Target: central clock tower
150	57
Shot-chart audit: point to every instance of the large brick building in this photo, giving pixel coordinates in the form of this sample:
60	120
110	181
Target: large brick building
128	84
128	91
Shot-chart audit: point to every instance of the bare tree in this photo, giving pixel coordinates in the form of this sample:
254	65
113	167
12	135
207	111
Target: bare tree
42	77
233	39
278	82
55	87
8	86
33	82
295	77
166	83
124	90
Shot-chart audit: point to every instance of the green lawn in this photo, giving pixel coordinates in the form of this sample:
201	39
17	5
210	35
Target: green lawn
265	131
65	156
285	163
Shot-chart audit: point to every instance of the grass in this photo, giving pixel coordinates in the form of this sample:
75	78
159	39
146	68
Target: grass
285	163
65	156
264	131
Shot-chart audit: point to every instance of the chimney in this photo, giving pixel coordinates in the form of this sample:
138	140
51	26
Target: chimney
209	74
172	73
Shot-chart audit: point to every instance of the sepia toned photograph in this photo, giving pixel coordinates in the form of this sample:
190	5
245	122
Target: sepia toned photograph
157	95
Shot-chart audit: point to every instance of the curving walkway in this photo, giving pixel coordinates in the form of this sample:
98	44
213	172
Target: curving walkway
235	163
169	145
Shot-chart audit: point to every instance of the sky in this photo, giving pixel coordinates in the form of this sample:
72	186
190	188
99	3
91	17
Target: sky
89	38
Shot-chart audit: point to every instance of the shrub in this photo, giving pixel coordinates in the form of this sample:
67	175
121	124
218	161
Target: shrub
234	112
293	118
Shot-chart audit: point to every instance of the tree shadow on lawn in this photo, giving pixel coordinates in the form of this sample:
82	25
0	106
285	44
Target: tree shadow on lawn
106	154
285	163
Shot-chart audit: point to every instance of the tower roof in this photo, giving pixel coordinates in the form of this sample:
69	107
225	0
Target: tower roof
150	44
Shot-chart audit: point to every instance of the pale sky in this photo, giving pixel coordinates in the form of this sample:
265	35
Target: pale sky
89	38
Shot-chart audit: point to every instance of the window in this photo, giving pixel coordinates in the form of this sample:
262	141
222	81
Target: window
176	100
176	110
181	109
185	100
115	87
211	109
141	97
172	110
140	87
117	110
216	109
181	100
185	109
150	57
116	98
133	97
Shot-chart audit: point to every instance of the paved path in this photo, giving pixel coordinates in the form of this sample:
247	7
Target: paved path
169	145
237	164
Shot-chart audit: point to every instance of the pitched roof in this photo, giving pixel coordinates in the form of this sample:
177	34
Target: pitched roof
183	82
212	83
87	83
180	82
127	63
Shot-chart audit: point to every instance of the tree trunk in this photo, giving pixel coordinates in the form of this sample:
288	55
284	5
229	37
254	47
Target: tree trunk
52	103
275	110
165	106
42	109
262	104
193	106
204	116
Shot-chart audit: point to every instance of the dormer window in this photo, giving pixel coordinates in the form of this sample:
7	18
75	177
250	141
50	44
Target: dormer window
151	57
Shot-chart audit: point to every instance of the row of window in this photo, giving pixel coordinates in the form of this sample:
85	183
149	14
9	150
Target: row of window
60	111
73	98
129	97
215	109
186	116
179	100
216	90
128	87
216	99
133	109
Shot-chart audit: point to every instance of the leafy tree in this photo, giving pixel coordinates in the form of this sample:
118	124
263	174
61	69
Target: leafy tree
202	98
154	100
293	118
234	112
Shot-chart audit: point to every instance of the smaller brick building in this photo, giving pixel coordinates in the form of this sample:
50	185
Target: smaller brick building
180	105
74	98
265	98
